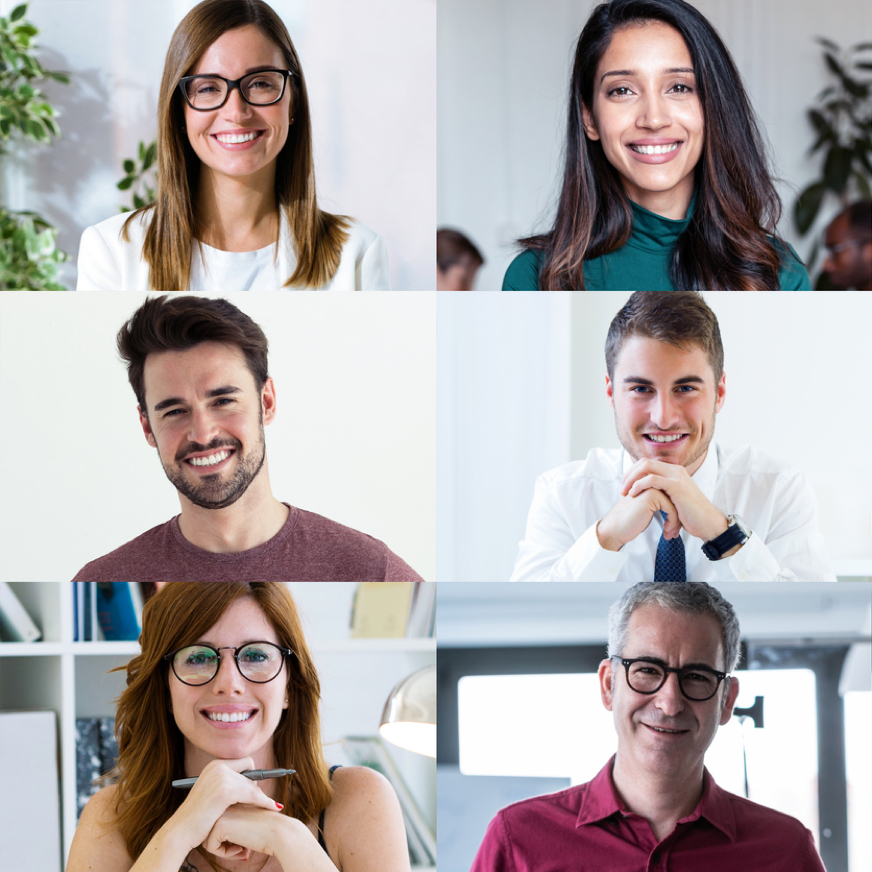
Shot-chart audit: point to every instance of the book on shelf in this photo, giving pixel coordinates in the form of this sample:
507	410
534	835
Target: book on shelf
30	799
104	610
393	609
370	751
96	754
16	625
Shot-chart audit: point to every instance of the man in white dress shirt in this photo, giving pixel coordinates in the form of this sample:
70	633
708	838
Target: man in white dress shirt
672	505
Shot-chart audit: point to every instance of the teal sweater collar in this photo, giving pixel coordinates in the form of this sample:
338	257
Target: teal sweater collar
652	232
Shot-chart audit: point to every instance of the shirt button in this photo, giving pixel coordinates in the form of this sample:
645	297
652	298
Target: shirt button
743	575
613	570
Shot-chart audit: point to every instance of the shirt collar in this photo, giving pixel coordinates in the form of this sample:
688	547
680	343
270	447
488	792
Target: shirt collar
705	478
602	801
653	232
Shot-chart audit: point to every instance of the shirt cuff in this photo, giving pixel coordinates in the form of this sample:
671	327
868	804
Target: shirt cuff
752	562
587	560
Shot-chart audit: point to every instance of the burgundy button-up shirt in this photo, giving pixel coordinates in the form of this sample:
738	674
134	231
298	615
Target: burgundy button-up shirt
588	829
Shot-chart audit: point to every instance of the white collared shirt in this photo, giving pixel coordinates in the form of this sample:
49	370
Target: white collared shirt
774	500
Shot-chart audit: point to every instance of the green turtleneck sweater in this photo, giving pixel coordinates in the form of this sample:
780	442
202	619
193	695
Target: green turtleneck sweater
643	263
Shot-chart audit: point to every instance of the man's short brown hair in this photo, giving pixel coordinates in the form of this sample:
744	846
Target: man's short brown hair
681	318
168	323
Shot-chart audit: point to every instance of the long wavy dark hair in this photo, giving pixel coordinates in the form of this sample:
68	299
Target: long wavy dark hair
725	246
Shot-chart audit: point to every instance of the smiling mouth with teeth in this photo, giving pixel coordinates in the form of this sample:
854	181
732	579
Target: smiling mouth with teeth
236	138
661	439
655	149
211	460
664	730
229	717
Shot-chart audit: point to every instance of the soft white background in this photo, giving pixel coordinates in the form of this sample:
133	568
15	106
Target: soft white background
504	68
522	390
370	68
354	438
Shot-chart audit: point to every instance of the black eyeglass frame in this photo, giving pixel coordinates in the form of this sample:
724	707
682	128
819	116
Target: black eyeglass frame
679	671
286	652
231	84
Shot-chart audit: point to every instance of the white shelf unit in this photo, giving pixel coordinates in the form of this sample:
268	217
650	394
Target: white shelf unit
70	678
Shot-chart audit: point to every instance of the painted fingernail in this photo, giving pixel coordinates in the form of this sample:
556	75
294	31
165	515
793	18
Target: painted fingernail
279	805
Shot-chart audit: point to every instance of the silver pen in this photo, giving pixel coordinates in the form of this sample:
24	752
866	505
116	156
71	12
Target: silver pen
252	774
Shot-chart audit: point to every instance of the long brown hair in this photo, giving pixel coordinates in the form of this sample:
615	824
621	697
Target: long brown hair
150	746
725	246
317	236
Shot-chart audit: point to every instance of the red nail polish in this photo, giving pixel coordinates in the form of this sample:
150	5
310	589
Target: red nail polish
279	805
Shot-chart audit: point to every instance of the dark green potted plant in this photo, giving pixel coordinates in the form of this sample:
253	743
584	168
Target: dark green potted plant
29	257
842	122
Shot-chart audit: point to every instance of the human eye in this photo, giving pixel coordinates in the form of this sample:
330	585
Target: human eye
207	86
172	413
640	389
200	657
614	91
685	389
687	89
254	655
224	401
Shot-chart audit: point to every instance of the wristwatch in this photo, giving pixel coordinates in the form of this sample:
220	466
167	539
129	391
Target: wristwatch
736	534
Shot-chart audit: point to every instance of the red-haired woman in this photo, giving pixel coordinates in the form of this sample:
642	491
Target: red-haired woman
225	683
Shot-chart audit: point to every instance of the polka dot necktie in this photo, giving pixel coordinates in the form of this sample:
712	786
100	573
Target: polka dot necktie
669	565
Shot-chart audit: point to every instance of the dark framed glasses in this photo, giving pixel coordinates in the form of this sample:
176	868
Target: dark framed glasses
697	683
258	662
205	93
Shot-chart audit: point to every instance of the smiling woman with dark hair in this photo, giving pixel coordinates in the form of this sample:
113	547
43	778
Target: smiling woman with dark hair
666	184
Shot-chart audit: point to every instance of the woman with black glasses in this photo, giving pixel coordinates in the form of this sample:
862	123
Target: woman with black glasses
235	208
225	684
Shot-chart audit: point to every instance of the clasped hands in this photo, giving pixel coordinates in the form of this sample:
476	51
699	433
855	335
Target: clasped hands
651	486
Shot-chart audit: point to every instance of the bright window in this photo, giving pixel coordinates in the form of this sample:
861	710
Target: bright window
556	726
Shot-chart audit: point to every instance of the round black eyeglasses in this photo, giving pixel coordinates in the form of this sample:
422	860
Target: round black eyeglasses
697	683
258	662
205	93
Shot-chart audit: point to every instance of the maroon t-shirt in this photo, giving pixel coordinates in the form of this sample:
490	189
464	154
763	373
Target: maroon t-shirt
308	547
588	829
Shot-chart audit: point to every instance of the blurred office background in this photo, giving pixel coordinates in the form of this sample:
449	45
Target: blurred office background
504	68
520	712
521	390
370	68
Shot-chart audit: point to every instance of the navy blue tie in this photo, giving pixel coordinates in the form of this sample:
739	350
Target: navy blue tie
669	565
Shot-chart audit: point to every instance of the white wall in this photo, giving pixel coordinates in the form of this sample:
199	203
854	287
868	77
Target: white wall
370	69
503	417
504	69
796	367
354	438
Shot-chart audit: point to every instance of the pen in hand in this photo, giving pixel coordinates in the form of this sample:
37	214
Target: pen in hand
252	774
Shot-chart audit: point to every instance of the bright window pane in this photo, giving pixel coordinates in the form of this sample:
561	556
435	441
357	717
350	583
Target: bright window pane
858	752
556	726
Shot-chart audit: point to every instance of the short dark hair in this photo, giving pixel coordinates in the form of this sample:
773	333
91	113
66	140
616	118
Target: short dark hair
168	323
451	246
681	318
860	218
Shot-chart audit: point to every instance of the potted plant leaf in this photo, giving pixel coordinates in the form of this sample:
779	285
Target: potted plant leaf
842	123
29	257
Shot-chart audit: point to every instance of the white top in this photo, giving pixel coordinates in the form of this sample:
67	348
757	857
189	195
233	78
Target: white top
107	263
774	500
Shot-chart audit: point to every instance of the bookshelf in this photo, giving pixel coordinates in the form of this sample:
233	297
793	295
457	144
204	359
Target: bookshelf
69	678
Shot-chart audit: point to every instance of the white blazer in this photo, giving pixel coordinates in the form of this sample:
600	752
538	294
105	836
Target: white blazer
107	263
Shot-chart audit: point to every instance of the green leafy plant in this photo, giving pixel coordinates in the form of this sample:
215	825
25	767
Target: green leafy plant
842	123
140	176
29	257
